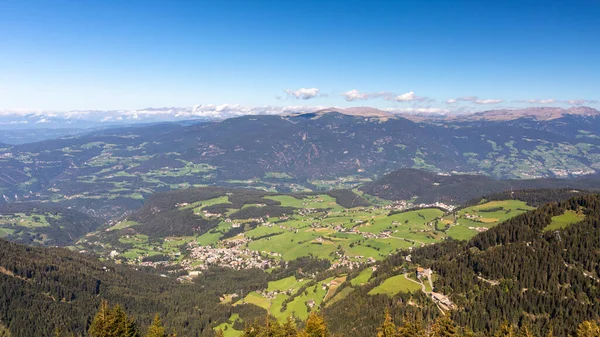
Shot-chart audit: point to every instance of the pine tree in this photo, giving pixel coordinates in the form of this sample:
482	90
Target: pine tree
122	324
411	327
99	326
388	328
524	332
315	326
289	328
156	329
443	327
112	322
467	332
588	329
505	330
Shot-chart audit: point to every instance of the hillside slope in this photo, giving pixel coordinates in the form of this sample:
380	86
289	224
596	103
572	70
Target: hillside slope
109	172
42	289
526	271
36	224
429	187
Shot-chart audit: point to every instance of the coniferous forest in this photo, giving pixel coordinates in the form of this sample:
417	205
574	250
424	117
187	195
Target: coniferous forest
516	278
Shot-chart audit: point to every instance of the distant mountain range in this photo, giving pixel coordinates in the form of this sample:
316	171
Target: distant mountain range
20	128
83	119
116	168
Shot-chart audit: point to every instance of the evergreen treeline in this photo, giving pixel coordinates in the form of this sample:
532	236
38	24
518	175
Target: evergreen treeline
514	279
535	197
348	199
515	272
42	289
110	322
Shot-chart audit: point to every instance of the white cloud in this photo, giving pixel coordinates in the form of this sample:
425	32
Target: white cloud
552	100
210	111
537	101
474	99
467	99
581	101
407	97
418	110
303	93
488	101
355	95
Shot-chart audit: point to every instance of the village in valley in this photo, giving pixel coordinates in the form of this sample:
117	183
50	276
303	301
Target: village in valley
350	239
318	227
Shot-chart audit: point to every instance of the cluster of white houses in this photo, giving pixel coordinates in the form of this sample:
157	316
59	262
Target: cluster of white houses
236	257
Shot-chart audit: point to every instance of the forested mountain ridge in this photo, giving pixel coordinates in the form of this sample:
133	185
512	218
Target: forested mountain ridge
535	269
429	187
44	289
43	224
111	171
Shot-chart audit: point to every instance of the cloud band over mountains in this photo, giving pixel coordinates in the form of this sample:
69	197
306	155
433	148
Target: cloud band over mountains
355	95
575	102
474	99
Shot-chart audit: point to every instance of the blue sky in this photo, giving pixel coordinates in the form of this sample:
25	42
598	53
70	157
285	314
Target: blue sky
65	55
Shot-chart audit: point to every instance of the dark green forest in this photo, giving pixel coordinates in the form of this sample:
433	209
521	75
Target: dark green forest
516	273
516	277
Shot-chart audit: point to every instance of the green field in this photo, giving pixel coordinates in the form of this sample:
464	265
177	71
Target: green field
227	327
316	201
404	230
363	277
258	300
461	233
564	220
394	285
284	284
5	232
141	246
272	298
24	220
122	225
318	227
484	216
340	295
297	306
